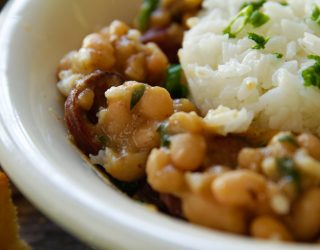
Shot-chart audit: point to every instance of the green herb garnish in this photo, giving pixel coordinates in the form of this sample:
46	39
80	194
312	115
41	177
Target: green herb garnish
249	14
314	57
239	22
148	6
256	5
311	75
288	138
260	40
136	95
173	83
278	55
315	16
258	19
164	136
284	3
288	169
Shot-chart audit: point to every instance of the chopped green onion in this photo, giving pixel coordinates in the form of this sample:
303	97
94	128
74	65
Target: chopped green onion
287	168
260	40
256	5
146	10
315	16
173	82
164	137
278	55
258	19
239	22
136	95
249	14
288	138
314	57
311	75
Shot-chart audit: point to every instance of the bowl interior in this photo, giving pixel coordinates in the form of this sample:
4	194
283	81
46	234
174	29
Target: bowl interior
35	150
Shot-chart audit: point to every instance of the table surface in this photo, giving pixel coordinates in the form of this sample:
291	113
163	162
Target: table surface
39	231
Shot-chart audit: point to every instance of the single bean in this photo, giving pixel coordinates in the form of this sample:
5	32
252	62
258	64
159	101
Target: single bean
182	122
242	188
161	175
207	212
267	227
311	143
156	104
187	151
250	158
304	220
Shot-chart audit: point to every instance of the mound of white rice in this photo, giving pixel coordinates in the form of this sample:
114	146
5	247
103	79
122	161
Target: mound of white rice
268	82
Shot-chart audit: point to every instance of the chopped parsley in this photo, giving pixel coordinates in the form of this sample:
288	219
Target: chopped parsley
315	16
311	75
278	55
164	136
286	167
136	95
260	40
173	83
249	14
147	7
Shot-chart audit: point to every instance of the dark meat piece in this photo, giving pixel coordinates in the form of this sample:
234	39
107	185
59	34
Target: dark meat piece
168	39
224	150
81	123
164	202
172	204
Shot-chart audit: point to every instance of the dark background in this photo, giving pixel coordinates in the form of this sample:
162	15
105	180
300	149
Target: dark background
39	231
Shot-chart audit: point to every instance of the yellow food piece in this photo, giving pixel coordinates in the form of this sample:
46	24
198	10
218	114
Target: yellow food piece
207	212
9	238
187	151
267	227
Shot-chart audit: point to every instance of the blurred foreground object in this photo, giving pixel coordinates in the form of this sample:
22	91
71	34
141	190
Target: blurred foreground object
3	3
9	238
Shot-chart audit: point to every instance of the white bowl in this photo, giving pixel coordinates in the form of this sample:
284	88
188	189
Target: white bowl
35	151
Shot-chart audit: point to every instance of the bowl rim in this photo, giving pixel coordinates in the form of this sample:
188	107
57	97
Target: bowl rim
166	234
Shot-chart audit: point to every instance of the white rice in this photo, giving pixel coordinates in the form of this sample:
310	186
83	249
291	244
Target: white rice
228	72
